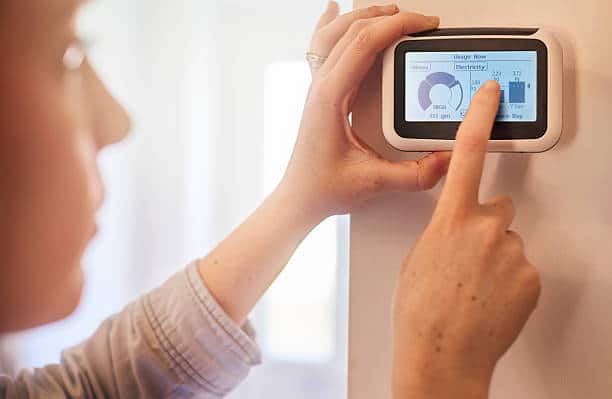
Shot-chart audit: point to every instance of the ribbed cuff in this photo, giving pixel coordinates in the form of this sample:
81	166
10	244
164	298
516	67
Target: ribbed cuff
200	341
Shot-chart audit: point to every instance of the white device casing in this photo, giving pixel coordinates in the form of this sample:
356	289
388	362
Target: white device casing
554	100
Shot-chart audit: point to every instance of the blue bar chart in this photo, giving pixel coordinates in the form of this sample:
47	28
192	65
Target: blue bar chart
517	92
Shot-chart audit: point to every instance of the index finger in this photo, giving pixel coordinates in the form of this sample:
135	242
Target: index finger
467	162
360	55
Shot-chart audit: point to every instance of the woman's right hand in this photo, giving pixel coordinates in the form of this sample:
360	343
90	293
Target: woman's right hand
467	289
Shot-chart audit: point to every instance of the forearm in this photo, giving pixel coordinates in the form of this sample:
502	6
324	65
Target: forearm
243	266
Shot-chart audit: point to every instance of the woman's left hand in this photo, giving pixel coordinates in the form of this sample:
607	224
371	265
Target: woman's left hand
331	171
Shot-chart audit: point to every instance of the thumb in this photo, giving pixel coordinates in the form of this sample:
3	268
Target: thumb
419	175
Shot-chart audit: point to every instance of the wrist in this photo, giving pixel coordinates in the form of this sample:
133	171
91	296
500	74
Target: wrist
304	207
436	378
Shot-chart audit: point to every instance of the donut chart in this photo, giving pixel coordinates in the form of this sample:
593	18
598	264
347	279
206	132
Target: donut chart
440	78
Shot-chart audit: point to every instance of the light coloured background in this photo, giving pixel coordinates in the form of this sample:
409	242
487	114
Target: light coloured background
563	202
215	89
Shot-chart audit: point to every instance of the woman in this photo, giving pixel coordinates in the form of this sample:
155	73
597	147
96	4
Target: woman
184	338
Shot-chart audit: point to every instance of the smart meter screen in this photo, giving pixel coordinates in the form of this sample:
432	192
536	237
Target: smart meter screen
440	85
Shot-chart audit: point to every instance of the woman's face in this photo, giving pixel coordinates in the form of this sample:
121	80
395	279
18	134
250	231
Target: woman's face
55	117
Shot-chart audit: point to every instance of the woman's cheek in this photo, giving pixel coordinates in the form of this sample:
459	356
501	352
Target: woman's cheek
51	209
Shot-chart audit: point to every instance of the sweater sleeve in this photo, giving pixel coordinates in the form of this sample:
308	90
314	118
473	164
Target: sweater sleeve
174	342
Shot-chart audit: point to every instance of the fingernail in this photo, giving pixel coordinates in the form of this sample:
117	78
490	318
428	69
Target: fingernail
434	20
393	7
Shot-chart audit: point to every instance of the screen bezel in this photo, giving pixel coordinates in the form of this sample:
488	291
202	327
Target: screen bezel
447	130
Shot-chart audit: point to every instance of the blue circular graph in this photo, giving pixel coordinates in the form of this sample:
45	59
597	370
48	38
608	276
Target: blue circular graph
441	78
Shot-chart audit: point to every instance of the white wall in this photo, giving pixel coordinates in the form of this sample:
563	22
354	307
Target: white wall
563	211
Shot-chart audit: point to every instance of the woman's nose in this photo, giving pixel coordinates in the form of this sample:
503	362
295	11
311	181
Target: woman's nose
111	121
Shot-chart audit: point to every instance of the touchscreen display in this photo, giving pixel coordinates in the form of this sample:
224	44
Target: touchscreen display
440	85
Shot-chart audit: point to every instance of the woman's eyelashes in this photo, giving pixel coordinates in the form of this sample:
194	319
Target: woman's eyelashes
75	55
